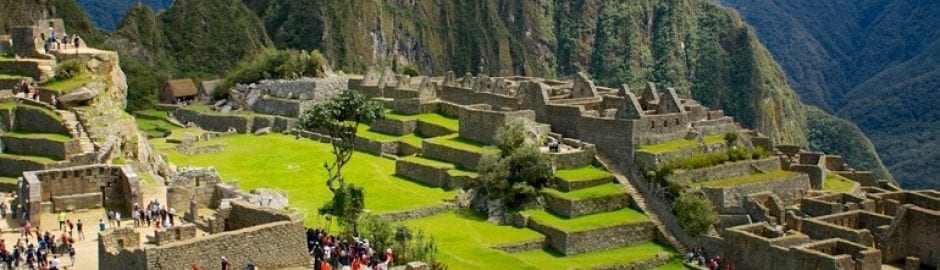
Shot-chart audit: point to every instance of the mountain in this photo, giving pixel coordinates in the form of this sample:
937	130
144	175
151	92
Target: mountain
704	50
107	14
701	48
873	62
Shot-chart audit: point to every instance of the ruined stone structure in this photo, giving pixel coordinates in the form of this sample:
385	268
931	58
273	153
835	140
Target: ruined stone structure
81	187
270	238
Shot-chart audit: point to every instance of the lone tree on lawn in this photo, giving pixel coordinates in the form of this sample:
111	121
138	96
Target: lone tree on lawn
339	118
514	175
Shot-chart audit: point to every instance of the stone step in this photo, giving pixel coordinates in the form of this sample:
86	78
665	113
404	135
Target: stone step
453	149
603	231
433	172
598	199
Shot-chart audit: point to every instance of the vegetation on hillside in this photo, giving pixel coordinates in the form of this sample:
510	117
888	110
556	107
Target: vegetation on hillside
107	14
875	63
516	173
695	213
272	64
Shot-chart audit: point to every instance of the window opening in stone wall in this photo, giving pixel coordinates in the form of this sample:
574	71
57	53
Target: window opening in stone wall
653	124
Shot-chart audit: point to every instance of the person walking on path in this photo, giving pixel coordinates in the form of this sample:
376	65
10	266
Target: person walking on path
78	226
226	265
61	220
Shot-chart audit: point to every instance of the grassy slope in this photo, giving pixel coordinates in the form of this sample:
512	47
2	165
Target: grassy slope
679	144
295	166
463	245
582	174
748	179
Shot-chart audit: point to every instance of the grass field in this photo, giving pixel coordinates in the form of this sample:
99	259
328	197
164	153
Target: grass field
589	222
64	86
430	118
837	184
153	123
582	174
679	144
296	167
49	136
463	244
748	179
592	192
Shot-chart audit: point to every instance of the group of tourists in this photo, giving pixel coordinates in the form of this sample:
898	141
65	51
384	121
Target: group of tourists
698	256
329	253
61	42
154	214
44	252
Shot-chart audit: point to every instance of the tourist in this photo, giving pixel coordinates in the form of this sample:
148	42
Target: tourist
136	215
117	218
250	265
195	266
72	254
3	209
26	228
101	225
78	226
61	220
54	264
110	215
171	213
226	265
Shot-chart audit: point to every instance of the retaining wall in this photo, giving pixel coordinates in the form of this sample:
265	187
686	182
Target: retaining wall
571	243
730	200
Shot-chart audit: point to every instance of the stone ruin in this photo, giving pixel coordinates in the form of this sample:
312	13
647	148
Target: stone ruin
242	231
81	187
286	98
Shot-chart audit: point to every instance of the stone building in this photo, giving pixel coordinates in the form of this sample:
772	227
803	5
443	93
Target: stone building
30	41
175	91
81	187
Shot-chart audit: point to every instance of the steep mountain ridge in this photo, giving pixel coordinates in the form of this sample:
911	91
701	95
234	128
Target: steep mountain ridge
873	62
107	14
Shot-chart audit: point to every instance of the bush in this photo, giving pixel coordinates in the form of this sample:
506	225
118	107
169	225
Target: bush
69	69
759	153
410	70
737	153
695	213
407	246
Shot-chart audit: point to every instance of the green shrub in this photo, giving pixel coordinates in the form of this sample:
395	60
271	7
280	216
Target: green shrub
737	153
69	69
695	213
410	70
759	153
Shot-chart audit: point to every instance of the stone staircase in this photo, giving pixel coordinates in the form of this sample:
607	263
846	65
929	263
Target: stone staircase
640	200
77	130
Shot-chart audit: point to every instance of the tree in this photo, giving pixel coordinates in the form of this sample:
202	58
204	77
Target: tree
517	172
695	213
339	118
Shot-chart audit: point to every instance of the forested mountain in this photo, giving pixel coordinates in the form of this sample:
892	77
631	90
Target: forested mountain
107	14
874	62
704	50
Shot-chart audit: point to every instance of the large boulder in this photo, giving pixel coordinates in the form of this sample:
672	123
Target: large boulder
82	94
271	198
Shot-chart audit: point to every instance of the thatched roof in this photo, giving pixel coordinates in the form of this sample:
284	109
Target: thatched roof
181	88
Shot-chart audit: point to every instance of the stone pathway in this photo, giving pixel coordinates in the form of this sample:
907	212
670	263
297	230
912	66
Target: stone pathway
640	200
76	130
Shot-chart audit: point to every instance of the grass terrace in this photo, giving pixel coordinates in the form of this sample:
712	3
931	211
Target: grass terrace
679	144
587	193
39	159
464	242
295	166
589	222
430	118
10	76
48	136
455	141
588	173
64	86
837	184
430	162
412	139
154	123
749	179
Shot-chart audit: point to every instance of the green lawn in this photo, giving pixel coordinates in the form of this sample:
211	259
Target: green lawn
7	184
587	193
679	144
49	136
748	179
39	159
153	122
70	84
412	139
430	162
10	76
457	142
582	174
296	166
463	242
589	222
836	183
430	118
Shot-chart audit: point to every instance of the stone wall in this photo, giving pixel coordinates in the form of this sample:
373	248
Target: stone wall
394	126
572	208
730	200
191	185
835	203
431	130
46	147
727	170
242	123
480	123
426	174
33	119
649	160
76	201
282	107
463	158
584	156
316	89
571	243
30	68
174	234
914	232
256	243
13	166
244	215
120	186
